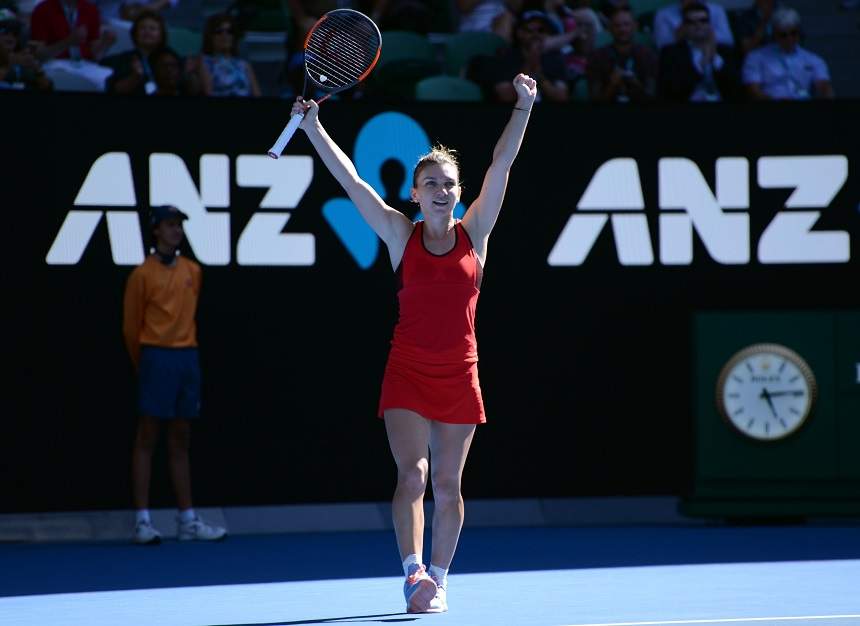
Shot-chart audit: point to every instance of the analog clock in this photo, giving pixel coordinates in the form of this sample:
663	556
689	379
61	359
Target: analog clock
766	391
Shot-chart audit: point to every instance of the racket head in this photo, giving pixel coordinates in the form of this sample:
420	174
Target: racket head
341	49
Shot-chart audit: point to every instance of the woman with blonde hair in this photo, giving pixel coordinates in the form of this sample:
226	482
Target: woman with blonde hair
431	398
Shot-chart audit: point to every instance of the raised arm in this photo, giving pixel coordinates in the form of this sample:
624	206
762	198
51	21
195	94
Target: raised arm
390	224
481	216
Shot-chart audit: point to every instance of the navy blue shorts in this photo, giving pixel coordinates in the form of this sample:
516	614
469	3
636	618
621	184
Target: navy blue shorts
169	382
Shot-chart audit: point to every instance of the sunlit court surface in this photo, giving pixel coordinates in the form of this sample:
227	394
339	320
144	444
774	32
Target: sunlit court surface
805	575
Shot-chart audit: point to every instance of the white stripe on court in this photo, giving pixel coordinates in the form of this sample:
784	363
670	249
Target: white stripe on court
728	620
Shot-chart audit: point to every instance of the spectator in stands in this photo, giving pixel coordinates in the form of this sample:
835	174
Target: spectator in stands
132	72
527	56
783	70
669	27
623	70
698	68
563	19
69	29
160	332
495	16
587	26
570	36
223	72
582	10
169	75
752	26
20	69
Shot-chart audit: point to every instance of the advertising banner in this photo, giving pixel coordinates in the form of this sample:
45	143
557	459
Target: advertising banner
618	225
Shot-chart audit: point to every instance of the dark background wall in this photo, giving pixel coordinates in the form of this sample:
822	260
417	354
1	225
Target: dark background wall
586	370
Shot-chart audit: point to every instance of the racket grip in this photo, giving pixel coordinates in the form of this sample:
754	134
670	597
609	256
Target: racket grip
289	130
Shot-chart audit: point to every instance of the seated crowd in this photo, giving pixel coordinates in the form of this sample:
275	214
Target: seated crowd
688	50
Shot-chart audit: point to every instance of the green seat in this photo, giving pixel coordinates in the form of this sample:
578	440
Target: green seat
184	41
397	79
460	48
400	45
448	88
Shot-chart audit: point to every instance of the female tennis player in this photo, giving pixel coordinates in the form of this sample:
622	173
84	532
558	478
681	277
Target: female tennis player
431	398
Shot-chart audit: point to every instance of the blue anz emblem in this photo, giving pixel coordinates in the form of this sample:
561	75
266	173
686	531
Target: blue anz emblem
386	137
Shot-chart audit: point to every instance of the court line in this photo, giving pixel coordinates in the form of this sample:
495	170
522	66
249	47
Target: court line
727	620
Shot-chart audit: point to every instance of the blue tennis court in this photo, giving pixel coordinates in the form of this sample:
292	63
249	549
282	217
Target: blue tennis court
609	575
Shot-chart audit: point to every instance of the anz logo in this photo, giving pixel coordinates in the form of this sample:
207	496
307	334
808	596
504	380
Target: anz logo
263	242
613	196
687	204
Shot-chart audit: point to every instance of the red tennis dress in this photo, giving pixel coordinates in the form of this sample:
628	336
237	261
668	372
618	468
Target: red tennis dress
432	367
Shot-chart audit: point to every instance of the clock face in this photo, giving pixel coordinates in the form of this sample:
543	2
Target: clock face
766	392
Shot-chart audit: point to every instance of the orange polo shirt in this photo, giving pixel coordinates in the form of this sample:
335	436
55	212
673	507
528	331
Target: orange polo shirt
160	304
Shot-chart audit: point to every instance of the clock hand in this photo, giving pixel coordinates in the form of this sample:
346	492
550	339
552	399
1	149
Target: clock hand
795	392
764	394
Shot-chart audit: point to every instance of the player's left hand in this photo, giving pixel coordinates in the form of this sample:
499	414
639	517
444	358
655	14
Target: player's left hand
526	88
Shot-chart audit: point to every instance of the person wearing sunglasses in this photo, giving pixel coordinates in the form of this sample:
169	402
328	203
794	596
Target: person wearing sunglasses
784	70
669	27
698	68
223	72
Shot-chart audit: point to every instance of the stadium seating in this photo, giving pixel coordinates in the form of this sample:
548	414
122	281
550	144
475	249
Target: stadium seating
460	48
450	88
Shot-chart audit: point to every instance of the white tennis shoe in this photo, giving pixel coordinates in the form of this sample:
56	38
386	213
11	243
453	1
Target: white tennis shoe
145	534
198	530
439	603
419	590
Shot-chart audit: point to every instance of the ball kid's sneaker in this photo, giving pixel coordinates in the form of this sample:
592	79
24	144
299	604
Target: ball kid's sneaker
419	590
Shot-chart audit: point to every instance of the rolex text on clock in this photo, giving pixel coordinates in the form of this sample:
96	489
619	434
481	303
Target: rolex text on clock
766	391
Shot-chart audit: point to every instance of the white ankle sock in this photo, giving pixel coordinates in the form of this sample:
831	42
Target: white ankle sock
142	515
439	574
187	515
410	562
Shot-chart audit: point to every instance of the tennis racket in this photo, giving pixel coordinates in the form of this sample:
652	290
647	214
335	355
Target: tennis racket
341	49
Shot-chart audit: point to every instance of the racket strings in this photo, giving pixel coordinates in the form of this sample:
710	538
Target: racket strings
340	56
341	49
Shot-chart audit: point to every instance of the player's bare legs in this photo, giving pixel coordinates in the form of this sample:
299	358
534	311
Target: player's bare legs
449	447
409	439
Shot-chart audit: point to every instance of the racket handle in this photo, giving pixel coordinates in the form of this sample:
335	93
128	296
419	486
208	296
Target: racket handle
289	130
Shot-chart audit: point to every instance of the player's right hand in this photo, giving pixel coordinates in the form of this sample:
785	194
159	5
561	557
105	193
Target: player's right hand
309	109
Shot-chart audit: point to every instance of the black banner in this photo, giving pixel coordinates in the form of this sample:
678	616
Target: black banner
619	223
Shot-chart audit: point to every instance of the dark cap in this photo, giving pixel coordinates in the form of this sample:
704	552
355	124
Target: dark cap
9	21
530	16
159	213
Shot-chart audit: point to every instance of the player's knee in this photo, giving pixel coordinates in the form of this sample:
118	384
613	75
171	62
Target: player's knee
413	479
446	489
